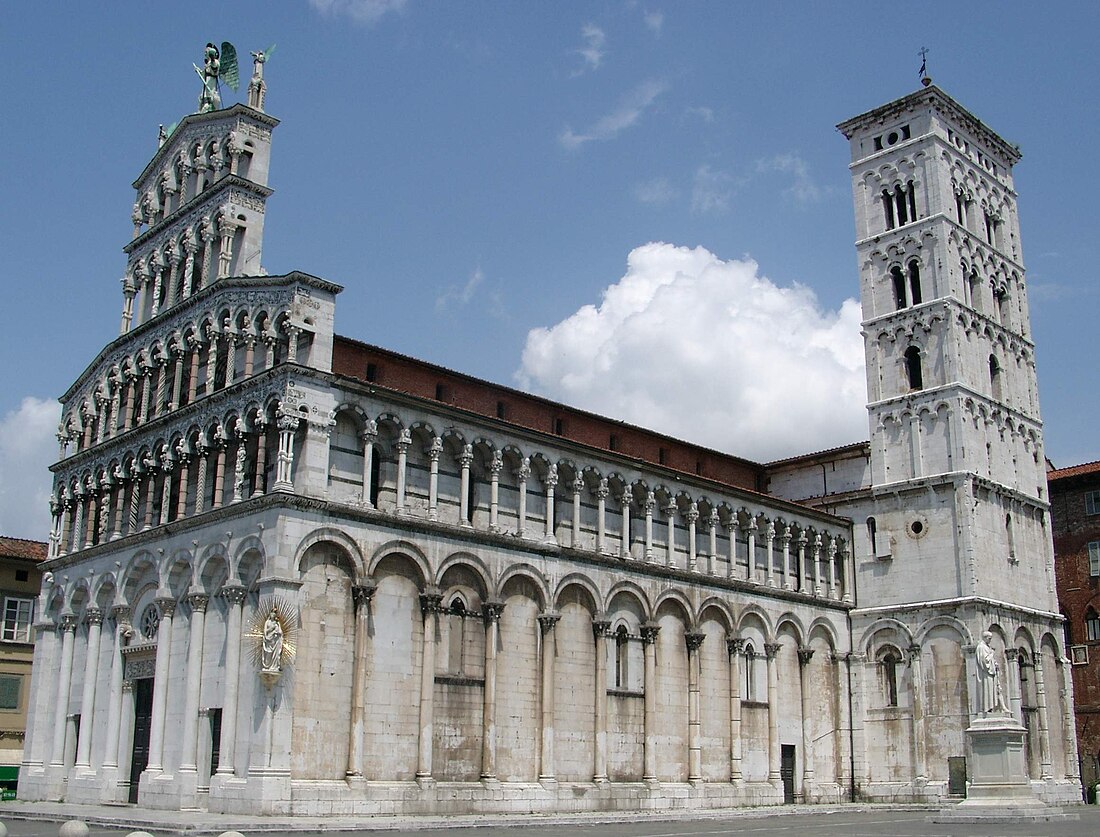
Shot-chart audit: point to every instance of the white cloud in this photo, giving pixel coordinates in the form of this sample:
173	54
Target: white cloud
656	192
711	190
626	114
803	190
460	295
709	351
28	446
366	12
654	21
592	51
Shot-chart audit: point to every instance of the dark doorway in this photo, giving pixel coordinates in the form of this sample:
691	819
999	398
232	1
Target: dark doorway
215	739
786	771
143	718
956	775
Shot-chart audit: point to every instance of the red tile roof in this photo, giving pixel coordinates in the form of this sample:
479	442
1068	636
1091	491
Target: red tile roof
20	548
1073	471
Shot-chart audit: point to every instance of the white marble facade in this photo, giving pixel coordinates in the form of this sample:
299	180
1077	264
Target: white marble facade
480	616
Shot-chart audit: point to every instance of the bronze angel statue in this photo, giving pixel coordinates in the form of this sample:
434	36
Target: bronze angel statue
217	66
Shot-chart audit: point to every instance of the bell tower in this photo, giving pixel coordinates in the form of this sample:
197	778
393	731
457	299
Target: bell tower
957	466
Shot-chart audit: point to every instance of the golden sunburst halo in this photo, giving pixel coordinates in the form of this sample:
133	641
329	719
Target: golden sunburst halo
286	614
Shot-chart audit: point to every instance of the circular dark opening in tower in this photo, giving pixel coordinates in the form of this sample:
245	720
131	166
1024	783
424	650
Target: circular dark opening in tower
917	527
892	138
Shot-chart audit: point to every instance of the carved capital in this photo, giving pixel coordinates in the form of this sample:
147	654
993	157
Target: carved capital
491	610
649	632
431	601
805	655
601	627
771	649
67	623
93	616
234	594
198	602
694	640
914	652
547	621
361	594
166	605
734	645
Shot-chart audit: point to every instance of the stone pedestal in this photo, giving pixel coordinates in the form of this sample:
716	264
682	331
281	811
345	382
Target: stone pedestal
999	789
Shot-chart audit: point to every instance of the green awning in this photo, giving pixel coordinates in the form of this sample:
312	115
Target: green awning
9	772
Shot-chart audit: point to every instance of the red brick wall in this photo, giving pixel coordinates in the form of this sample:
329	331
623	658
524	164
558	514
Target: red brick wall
1073	529
405	374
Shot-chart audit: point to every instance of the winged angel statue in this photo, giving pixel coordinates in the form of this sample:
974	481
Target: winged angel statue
217	66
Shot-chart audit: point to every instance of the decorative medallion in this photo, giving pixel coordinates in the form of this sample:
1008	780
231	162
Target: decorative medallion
273	635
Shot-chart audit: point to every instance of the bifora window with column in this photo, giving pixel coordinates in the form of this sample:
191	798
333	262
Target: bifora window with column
906	284
899	204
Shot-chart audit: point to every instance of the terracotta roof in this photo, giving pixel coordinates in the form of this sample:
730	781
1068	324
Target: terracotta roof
1073	471
20	548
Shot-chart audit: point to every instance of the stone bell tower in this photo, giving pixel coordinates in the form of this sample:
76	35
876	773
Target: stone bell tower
957	467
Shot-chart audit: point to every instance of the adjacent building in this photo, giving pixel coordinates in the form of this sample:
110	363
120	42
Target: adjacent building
1075	511
20	581
293	572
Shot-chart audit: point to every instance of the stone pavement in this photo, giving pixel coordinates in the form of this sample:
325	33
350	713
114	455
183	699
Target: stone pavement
41	820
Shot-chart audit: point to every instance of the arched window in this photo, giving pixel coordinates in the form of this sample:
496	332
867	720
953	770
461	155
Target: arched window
912	368
888	208
975	290
902	205
456	634
872	535
471	498
888	662
1092	625
1010	535
899	286
621	657
995	377
375	477
914	283
750	672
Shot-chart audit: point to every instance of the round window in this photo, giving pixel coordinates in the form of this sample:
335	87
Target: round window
149	622
917	527
892	138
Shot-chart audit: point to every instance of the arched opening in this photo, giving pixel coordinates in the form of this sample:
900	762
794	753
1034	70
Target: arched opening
750	672
872	535
1092	625
456	635
995	377
913	368
888	665
621	657
899	286
914	283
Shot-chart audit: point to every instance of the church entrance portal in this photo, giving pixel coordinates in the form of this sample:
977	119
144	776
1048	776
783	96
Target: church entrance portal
143	716
786	772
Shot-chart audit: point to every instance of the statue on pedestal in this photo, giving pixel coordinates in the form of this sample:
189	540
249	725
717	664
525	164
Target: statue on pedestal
990	692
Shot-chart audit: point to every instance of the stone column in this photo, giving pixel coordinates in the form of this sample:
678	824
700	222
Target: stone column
804	657
1068	727
495	466
260	483
189	750
465	460
856	663
184	460
158	405
830	559
769	552
624	504
735	646
67	627
522	473
750	549
847	570
234	595
177	379
547	622
920	768
430	605
160	684
670	514
120	481
201	454
1045	766
230	351
650	505
843	742
714	522
92	493
1012	674
226	228
195	347
94	618
190	248
578	490
649	638
692	517
601	629
434	450
219	472
125	744
167	465
122	633
64	542
240	463
602	490
146	393
490	613
551	483
774	776
369	436
695	730
803	575
815	550
785	549
361	597
404	439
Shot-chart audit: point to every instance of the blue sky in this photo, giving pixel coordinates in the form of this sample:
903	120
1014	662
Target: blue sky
484	179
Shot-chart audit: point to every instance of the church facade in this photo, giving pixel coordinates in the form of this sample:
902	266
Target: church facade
295	573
